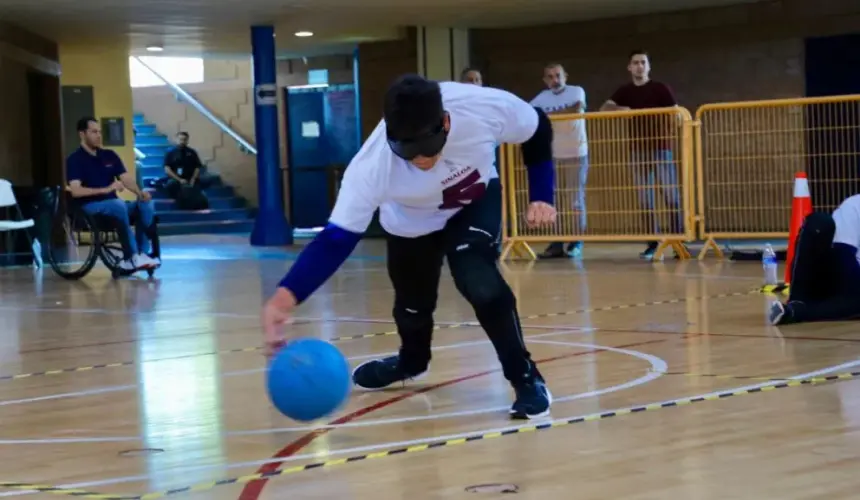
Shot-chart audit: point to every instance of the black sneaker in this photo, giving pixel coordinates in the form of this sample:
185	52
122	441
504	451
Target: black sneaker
553	251
783	314
380	373
777	312
533	400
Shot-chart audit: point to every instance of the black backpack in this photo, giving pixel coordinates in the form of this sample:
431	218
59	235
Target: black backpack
192	198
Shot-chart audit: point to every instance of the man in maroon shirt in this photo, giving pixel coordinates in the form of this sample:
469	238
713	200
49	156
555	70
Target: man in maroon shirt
651	140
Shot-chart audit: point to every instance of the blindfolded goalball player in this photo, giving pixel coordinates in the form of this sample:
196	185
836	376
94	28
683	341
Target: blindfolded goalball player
825	277
429	169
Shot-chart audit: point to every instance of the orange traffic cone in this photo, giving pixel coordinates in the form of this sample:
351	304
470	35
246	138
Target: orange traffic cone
801	207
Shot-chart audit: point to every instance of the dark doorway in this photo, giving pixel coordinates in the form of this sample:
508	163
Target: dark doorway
832	68
78	102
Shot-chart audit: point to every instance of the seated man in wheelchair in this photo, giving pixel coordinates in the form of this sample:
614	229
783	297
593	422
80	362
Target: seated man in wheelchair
95	175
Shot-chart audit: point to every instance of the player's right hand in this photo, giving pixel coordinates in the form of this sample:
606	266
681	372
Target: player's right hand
276	313
540	214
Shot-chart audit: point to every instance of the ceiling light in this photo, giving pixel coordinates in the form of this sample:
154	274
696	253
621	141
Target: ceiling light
155	48
304	34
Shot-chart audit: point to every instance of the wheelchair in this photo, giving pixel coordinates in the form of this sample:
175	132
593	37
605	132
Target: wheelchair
79	240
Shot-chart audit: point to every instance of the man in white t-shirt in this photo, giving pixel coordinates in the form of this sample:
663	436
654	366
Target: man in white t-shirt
825	278
428	167
570	145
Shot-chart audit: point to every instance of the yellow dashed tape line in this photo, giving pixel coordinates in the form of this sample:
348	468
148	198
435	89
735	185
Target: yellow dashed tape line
41	488
80	369
781	289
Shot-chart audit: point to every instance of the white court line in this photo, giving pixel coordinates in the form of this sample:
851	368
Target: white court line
116	439
63	395
400	444
657	369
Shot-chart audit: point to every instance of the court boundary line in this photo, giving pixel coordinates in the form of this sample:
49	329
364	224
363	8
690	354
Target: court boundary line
536	338
658	368
442	443
119	364
254	489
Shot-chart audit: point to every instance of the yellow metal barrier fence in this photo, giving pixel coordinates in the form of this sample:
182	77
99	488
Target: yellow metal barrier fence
748	154
634	184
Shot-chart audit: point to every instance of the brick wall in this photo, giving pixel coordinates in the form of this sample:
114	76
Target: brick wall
227	94
379	64
741	52
737	53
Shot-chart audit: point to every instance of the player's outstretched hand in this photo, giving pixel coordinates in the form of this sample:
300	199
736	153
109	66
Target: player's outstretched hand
275	314
540	214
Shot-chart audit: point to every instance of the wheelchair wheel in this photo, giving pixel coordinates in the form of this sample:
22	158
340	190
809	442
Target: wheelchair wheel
74	245
110	252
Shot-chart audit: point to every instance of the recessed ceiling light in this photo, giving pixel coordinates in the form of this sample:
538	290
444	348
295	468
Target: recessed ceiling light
304	34
155	48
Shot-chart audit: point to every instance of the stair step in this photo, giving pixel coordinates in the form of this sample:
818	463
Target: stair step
151	140
166	204
158	172
145	128
152	161
155	150
152	171
176	216
138	118
212	192
244	226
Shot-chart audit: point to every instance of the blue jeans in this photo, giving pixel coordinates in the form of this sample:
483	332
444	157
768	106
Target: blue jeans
577	178
120	211
649	169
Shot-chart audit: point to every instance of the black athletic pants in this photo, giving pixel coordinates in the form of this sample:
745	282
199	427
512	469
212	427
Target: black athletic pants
818	290
470	241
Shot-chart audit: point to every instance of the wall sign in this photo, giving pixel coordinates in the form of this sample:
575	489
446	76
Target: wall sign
113	131
266	94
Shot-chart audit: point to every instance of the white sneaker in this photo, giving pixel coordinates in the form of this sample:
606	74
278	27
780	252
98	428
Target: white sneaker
143	261
127	265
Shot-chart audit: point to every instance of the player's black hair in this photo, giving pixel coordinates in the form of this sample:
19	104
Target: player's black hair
184	134
84	123
638	52
413	107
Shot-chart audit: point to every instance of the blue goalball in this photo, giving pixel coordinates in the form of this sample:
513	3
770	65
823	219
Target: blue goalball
308	379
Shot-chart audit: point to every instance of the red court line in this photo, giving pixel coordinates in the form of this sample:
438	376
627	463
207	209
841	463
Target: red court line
253	490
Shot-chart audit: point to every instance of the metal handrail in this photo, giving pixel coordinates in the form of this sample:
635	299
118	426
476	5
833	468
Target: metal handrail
182	94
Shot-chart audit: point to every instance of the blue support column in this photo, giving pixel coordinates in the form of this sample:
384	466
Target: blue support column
271	227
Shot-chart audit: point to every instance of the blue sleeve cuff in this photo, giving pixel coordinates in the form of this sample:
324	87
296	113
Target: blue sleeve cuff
319	261
541	182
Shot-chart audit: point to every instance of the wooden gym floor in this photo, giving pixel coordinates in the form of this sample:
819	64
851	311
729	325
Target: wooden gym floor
133	387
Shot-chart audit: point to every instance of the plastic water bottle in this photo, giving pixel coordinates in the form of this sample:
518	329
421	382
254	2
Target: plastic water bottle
768	261
37	254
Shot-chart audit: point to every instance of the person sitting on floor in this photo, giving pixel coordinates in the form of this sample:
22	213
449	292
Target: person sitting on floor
825	274
95	175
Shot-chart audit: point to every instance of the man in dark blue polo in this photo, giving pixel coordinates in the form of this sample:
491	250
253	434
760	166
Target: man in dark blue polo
95	176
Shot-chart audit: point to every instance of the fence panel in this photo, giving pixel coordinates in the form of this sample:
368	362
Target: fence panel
749	152
634	184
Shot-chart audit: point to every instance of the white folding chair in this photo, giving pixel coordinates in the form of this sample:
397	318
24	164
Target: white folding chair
7	199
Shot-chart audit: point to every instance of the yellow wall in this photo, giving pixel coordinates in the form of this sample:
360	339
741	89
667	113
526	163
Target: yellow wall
105	68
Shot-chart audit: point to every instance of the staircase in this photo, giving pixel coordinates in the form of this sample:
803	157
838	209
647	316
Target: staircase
228	213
